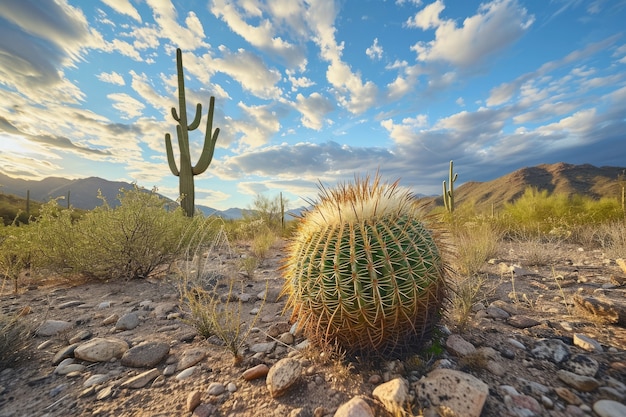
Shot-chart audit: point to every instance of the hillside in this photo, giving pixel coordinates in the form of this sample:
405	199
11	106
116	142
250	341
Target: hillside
558	178
561	177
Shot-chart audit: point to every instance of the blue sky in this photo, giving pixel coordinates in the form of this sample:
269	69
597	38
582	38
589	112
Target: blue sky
311	91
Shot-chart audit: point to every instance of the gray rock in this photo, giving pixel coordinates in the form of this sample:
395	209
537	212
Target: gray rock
127	322
263	347
67	366
64	353
191	357
186	373
495	313
465	395
609	408
282	376
95	379
523	405
459	346
270	295
553	350
582	365
216	388
101	349
522	322
146	354
356	407
80	336
163	309
69	304
393	395
579	382
52	327
517	344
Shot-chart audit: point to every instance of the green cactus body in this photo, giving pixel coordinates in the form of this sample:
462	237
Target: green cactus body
187	171
448	194
363	271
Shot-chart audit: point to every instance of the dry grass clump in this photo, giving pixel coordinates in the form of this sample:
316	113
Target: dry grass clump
612	239
474	244
203	275
14	338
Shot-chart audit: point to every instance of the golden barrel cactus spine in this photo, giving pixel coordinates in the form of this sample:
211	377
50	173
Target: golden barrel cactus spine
363	271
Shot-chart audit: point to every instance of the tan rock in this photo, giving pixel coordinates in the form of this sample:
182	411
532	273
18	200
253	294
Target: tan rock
393	395
101	349
256	372
356	407
465	395
282	376
193	400
142	379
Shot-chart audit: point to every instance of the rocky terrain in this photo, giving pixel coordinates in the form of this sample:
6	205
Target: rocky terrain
544	341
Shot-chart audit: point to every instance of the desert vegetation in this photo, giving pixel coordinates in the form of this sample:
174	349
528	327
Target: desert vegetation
143	237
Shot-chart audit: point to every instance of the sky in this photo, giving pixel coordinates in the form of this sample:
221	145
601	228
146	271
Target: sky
310	92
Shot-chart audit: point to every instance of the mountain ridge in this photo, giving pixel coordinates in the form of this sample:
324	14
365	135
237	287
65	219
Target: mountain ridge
561	177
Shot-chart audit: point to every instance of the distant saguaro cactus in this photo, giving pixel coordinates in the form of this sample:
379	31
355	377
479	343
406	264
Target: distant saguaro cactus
186	172
448	193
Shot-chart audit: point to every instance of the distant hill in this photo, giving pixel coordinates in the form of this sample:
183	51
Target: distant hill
556	178
83	192
561	178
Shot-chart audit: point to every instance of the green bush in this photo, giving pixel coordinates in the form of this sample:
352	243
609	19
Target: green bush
540	213
128	241
15	251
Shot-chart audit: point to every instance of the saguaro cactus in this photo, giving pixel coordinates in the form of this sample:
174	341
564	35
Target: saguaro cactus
186	172
448	194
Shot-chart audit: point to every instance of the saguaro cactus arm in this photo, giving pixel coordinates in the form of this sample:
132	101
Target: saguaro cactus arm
170	155
207	151
448	193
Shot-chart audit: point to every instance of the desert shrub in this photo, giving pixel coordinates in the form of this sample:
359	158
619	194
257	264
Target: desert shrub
269	210
128	241
53	237
15	252
538	212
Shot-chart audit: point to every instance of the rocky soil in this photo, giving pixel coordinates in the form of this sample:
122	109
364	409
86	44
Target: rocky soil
535	346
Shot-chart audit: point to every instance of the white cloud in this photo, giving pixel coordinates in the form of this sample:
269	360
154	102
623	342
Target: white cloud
506	91
111	78
123	7
250	71
375	51
313	110
264	35
428	17
127	105
257	125
298	82
190	37
496	26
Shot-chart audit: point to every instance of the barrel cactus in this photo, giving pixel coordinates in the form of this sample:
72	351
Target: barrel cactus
363	271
